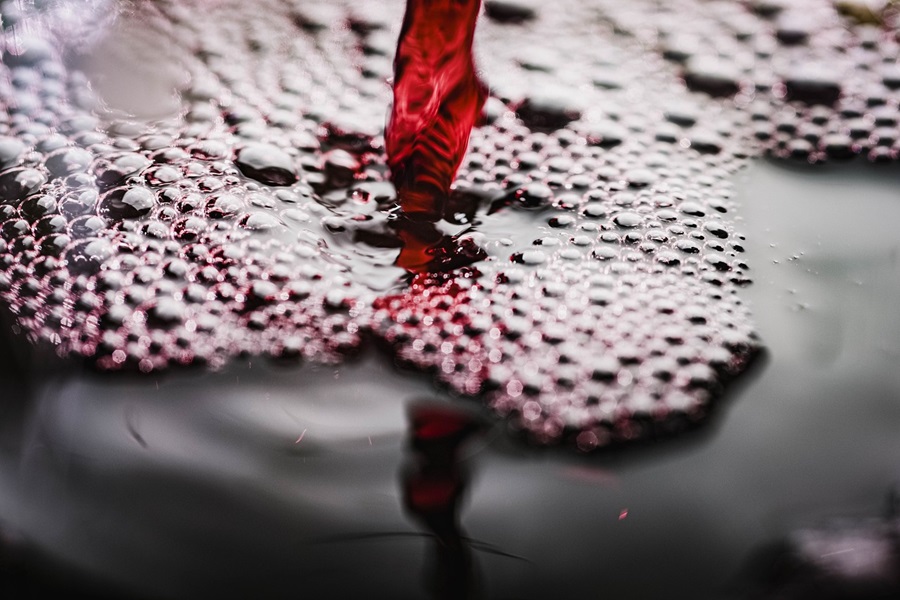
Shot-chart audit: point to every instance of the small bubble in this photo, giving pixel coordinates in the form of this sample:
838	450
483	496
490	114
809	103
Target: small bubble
267	164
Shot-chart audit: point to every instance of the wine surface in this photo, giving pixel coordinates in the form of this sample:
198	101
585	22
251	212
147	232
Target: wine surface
584	278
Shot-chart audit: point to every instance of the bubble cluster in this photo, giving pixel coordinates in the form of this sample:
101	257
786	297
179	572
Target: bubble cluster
598	302
185	240
818	78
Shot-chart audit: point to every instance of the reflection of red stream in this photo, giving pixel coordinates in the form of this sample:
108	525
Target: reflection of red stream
434	486
419	241
427	250
437	99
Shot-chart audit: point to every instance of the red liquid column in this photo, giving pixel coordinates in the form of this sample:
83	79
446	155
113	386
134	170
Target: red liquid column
437	100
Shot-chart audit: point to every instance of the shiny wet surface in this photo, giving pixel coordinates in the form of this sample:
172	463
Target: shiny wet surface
276	481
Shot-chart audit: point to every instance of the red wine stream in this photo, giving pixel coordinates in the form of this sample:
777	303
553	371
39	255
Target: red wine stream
437	99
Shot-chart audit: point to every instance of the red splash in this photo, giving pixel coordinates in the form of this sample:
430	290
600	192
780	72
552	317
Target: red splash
437	99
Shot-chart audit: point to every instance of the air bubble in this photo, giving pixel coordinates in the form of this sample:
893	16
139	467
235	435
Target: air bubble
267	164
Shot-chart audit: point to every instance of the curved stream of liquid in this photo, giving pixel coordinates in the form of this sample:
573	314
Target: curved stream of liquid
437	99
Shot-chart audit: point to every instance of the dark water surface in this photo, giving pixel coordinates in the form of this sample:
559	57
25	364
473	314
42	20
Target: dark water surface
271	481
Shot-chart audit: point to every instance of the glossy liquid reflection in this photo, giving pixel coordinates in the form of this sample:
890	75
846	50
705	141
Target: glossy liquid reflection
434	485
